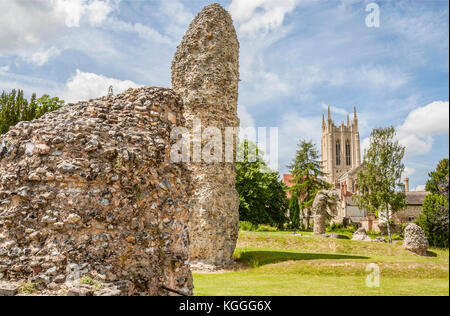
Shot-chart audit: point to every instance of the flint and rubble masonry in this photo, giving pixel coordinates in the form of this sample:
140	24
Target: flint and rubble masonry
90	190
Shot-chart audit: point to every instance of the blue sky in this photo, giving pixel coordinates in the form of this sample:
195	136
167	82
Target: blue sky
297	57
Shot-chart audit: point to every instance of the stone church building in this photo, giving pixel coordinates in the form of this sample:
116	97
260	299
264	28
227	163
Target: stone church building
340	147
341	162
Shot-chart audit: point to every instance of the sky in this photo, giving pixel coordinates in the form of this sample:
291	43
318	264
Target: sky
297	57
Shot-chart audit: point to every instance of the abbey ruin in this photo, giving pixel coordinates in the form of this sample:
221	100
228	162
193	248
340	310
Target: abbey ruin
209	89
90	189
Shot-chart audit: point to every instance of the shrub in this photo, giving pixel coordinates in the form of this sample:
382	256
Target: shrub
434	220
266	228
397	237
340	228
247	226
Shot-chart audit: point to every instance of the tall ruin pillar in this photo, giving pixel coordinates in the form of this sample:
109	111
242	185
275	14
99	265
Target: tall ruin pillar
205	73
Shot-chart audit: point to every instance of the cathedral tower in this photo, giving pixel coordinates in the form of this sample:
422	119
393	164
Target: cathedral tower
340	147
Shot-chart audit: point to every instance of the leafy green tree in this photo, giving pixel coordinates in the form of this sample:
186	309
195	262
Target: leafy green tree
14	108
434	218
262	195
294	212
437	176
12	105
47	104
382	191
306	169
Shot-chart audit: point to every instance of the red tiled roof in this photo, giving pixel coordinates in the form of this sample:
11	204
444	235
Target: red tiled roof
288	180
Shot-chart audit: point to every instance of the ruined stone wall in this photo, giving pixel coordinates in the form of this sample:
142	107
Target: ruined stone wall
205	73
403	216
90	190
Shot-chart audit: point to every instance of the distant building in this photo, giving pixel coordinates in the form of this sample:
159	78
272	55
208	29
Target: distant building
288	180
414	205
340	147
341	162
350	212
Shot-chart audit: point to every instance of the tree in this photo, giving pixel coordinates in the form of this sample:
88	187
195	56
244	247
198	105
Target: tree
294	212
14	108
12	105
306	169
262	195
438	176
382	191
434	218
47	104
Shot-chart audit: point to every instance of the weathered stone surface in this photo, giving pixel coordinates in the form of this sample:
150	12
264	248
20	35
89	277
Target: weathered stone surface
205	73
416	240
81	194
380	240
324	203
361	235
8	289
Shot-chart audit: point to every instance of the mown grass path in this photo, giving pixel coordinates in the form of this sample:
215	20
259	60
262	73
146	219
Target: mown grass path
272	264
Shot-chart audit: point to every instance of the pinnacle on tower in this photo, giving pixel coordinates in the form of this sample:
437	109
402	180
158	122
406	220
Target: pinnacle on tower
355	117
329	113
323	121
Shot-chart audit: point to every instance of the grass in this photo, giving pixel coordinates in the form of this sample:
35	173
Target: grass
273	264
89	281
27	288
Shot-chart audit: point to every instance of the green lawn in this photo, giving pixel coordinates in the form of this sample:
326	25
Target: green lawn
281	264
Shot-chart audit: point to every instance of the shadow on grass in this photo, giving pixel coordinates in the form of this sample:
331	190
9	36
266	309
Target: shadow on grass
260	258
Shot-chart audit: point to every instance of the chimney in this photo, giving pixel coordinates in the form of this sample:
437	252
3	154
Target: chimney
406	185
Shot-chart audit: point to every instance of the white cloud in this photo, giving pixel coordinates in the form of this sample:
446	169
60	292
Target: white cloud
245	117
335	109
432	119
417	132
261	84
294	128
4	69
84	86
179	20
420	188
143	31
24	23
41	56
381	77
419	27
27	27
408	172
415	144
365	144
95	11
260	16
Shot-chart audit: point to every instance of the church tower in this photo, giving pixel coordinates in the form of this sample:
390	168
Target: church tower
340	147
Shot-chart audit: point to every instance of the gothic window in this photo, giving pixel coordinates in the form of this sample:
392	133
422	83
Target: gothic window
348	154
338	153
